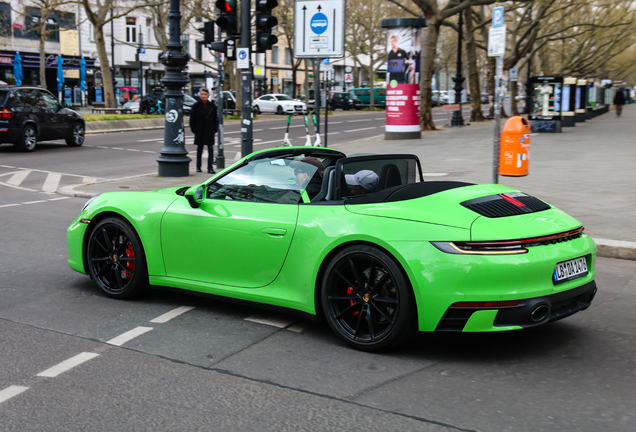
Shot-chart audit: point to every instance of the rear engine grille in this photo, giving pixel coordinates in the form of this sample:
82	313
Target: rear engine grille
502	205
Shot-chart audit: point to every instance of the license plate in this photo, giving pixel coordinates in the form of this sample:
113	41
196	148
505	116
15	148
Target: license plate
568	270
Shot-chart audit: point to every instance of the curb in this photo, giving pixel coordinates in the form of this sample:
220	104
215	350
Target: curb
616	249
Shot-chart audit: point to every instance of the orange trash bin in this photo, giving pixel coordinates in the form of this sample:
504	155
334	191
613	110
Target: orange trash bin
515	147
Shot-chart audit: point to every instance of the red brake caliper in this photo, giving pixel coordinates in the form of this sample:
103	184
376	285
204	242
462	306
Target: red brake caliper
351	290
130	253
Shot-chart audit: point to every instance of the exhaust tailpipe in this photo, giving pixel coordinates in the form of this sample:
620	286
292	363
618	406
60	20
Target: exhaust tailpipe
539	313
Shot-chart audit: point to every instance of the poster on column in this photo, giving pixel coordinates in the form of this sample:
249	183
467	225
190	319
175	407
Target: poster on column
403	89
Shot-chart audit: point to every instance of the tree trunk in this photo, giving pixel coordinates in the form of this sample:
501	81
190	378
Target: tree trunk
107	78
492	66
42	61
513	98
476	115
429	38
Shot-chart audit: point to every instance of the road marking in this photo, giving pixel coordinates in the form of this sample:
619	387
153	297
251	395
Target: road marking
33	202
335	122
17	178
60	198
102	147
148	151
128	336
435	174
89	180
161	319
299	327
7	166
333	133
149	140
9	392
133	150
52	182
238	155
363	129
271	320
355	121
115	148
67	365
283	127
9	205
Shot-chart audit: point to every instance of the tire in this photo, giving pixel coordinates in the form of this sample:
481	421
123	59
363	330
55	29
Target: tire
257	109
367	299
113	242
28	139
279	110
75	137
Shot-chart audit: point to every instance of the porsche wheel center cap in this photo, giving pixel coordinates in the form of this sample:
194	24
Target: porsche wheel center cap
366	297
114	258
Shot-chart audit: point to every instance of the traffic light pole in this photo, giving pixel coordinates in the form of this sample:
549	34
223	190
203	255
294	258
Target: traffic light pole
220	157
246	81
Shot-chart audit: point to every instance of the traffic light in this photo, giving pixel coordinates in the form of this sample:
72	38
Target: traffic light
228	21
208	37
265	21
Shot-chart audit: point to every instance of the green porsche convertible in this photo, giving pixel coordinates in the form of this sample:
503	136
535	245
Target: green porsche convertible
363	242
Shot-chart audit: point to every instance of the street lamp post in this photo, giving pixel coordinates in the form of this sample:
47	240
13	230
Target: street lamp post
529	89
174	161
458	118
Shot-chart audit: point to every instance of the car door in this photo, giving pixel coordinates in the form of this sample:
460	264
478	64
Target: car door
241	233
53	114
266	103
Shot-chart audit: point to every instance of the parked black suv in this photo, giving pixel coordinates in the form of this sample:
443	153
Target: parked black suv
32	114
344	100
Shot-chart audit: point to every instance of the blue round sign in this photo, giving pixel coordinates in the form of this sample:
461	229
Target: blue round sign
242	55
319	23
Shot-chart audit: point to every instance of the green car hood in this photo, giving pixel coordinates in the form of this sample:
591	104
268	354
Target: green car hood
442	208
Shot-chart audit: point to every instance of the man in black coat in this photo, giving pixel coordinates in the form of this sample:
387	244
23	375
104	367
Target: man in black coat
619	101
204	123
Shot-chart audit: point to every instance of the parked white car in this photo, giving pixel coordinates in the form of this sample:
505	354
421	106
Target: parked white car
279	104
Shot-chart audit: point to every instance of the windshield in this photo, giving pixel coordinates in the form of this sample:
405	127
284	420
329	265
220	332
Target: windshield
272	180
3	97
283	97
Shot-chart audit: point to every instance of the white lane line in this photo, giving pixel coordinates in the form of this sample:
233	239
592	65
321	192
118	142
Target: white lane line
238	156
102	147
148	151
363	129
227	133
9	205
161	319
9	392
133	150
67	365
17	178
115	148
52	182
60	198
299	327
283	127
129	335
355	121
7	166
149	140
335	122
33	202
271	320
434	174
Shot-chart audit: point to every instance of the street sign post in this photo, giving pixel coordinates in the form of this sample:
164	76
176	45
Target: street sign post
497	48
319	28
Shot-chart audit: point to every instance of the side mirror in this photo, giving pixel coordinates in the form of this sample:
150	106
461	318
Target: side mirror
195	195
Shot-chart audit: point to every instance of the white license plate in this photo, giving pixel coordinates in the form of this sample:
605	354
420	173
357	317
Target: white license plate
568	270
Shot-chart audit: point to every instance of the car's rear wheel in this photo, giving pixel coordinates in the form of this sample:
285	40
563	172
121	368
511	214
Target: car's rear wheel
367	299
75	136
279	110
28	139
116	259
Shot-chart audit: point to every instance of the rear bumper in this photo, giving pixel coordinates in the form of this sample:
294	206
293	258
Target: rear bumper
9	134
530	312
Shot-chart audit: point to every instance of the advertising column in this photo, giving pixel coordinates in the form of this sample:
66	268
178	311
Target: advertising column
403	76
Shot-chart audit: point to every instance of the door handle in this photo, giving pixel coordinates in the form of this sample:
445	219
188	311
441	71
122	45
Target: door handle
274	232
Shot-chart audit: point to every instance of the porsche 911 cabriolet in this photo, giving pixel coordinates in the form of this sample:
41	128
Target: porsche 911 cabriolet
379	263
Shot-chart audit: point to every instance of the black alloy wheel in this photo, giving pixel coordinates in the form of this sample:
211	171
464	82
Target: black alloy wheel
28	139
367	299
76	135
257	109
279	110
116	259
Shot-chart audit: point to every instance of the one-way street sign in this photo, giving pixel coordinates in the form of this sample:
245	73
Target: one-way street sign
319	28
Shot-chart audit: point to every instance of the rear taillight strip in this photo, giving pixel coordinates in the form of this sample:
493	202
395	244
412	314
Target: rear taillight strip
529	240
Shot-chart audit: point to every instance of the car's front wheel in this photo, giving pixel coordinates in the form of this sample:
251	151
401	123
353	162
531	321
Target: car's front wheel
116	259
257	109
75	136
28	139
367	299
279	110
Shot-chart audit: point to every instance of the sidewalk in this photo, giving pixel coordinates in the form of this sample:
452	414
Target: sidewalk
587	171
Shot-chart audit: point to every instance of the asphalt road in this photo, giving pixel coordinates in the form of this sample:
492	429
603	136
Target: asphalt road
72	359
